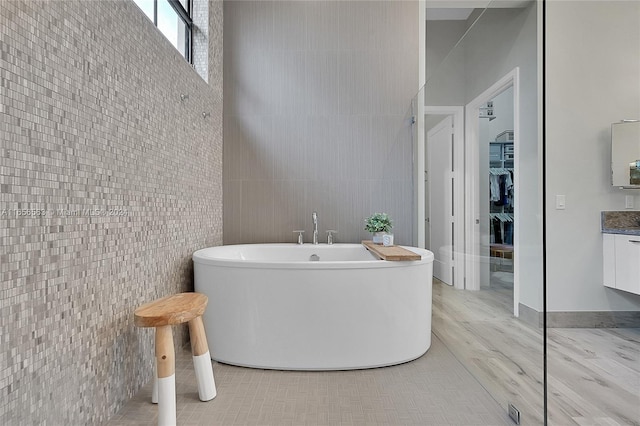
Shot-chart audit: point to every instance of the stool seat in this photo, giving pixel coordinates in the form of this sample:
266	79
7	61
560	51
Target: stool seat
171	310
501	251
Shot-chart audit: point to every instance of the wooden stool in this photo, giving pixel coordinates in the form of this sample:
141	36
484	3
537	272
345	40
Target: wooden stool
162	314
501	251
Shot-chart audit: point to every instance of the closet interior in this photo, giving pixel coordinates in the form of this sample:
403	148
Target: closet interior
501	158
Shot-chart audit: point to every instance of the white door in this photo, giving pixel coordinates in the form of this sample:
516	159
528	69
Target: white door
440	214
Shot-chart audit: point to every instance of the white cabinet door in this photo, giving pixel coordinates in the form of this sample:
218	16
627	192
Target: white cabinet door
609	260
627	259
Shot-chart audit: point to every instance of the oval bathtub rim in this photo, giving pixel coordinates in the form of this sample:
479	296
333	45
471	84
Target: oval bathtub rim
200	258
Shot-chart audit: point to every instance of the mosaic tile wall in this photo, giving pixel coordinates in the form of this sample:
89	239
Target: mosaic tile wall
108	183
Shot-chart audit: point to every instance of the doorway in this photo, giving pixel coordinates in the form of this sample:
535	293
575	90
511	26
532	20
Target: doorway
496	207
491	223
444	191
440	186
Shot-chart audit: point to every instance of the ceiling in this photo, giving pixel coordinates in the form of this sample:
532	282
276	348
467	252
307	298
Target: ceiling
448	14
455	10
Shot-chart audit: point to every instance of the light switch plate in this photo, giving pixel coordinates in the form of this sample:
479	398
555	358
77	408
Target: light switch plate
561	202
628	201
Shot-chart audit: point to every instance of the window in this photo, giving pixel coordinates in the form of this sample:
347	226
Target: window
173	19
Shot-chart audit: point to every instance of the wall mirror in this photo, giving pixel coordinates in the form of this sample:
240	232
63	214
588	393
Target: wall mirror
625	154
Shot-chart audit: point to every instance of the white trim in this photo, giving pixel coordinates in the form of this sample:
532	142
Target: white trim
517	216
472	186
422	43
457	113
418	146
419	151
541	160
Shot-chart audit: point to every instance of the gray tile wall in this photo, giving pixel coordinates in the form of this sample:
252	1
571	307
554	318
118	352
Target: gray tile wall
108	184
315	117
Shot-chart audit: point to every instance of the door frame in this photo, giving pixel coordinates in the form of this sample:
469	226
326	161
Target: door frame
472	186
458	196
418	131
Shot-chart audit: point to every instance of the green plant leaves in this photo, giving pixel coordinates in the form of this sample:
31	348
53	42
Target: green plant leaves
378	222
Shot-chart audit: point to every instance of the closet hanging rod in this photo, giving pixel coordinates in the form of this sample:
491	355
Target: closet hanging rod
497	171
502	217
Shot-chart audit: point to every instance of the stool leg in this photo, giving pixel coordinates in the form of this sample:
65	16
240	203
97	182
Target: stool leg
202	360
165	363
154	392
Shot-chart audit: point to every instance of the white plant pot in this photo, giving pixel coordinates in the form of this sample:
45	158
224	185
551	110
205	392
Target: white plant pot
377	237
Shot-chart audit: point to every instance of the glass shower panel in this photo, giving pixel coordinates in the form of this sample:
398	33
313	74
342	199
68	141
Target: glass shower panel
481	197
593	278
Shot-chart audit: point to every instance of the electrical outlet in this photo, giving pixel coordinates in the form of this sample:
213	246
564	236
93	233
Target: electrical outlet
514	413
628	201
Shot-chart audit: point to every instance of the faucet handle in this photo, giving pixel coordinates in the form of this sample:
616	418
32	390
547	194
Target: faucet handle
330	233
300	238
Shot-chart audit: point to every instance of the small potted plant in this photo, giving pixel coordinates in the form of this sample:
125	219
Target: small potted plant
379	224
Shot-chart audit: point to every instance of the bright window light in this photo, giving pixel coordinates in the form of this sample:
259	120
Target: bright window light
173	19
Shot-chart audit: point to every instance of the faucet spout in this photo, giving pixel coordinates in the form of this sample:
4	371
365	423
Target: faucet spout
314	218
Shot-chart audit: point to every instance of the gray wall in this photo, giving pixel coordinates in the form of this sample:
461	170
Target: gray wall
91	119
445	72
592	81
315	117
441	38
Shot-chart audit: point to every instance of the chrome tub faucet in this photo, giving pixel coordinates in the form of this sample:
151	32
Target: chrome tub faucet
300	238
314	217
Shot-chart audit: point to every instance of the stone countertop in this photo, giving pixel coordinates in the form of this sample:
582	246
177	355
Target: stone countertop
620	222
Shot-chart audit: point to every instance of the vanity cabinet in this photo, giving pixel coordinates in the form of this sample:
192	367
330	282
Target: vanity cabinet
621	256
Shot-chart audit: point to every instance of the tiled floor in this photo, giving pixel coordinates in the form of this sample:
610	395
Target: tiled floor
432	390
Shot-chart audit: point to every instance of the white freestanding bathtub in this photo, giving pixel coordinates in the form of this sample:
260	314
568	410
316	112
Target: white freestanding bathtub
270	306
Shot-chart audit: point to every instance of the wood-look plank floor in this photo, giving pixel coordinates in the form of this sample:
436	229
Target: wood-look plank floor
594	374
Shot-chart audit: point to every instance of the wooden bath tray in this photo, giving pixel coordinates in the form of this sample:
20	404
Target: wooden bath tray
393	253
